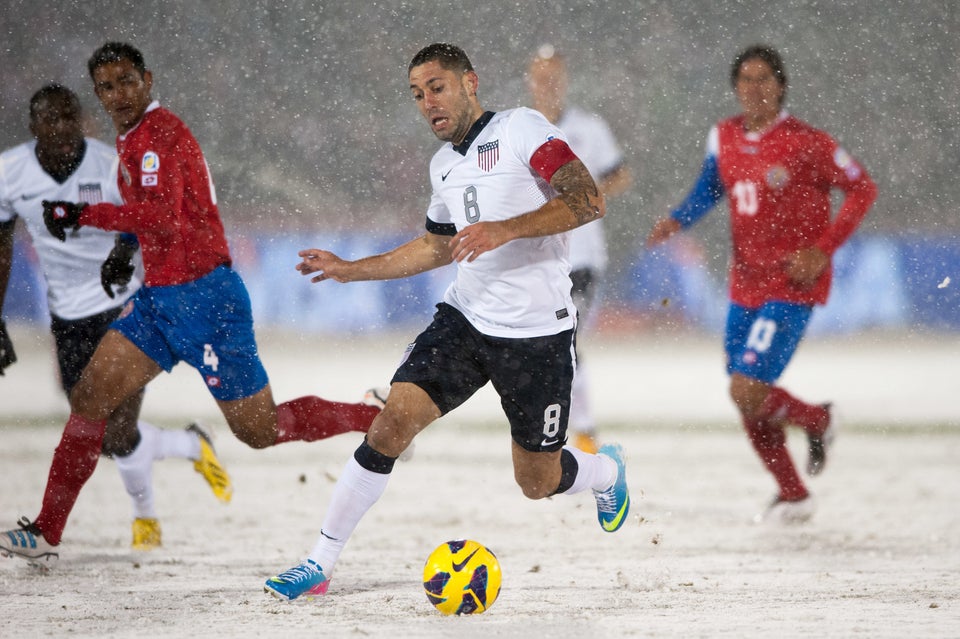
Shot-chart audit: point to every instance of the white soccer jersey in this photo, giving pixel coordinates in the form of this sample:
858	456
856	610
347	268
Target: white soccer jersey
593	142
71	268
520	289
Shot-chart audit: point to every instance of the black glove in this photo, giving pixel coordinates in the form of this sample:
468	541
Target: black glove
60	216
7	356
118	268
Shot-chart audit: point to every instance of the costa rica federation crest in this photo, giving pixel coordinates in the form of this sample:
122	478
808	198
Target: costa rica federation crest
150	162
777	177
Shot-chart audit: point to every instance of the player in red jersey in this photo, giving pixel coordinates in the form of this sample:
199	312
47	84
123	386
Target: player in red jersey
778	173
193	307
89	280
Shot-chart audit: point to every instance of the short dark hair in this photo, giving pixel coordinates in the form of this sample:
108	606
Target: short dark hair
115	52
450	57
769	55
50	90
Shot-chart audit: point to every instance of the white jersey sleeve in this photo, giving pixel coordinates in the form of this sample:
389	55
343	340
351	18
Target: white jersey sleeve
71	269
592	140
520	289
713	142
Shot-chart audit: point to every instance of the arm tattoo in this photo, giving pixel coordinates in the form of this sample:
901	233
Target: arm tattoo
578	191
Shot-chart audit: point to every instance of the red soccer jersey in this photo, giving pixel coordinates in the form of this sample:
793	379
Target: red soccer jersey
169	201
778	183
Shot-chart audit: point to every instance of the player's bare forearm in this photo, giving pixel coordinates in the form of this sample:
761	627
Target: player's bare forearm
579	192
422	254
476	239
579	202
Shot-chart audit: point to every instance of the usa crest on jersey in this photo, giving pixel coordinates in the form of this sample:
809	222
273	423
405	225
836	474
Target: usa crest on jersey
488	154
90	193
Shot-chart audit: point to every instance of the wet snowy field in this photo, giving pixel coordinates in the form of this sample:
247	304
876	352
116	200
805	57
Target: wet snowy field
880	559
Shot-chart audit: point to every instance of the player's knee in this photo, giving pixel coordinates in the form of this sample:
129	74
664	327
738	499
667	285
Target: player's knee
252	420
87	401
256	438
120	444
535	492
389	436
535	487
747	395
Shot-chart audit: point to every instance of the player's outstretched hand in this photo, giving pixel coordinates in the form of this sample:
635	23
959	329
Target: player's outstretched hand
7	356
328	265
662	231
60	216
118	268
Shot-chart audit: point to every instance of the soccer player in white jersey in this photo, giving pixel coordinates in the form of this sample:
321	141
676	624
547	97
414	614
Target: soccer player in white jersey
89	280
506	189
590	137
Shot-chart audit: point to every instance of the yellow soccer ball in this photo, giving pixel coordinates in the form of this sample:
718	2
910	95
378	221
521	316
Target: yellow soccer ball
461	577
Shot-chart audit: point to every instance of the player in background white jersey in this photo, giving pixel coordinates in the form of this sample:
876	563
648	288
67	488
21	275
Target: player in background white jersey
89	279
590	137
506	189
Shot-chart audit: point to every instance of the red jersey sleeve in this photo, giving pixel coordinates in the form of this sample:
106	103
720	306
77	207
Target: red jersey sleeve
154	195
860	191
169	202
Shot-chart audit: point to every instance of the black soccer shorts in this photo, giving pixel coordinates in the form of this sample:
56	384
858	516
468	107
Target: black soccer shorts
76	341
451	360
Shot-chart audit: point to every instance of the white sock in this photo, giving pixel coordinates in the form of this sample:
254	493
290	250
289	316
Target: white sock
136	472
179	443
594	472
355	492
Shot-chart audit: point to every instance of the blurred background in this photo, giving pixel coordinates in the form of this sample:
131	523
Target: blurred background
304	114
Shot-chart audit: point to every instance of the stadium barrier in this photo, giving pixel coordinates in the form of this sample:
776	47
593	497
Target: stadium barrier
880	282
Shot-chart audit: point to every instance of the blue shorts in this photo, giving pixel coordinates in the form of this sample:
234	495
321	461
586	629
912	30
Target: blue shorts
206	323
760	342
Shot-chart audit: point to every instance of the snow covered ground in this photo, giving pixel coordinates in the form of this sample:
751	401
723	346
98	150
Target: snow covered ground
880	559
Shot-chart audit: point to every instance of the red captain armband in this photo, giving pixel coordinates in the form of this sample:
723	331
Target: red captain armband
550	157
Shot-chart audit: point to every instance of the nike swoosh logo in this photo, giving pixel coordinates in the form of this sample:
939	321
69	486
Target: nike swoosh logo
31	196
548	442
443	178
613	524
458	566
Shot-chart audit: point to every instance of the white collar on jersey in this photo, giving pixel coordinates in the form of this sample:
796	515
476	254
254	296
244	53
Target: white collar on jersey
753	136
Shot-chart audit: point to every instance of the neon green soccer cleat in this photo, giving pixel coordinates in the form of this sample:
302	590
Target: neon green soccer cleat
613	504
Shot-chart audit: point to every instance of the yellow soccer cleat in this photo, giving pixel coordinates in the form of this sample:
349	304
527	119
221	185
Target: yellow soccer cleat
210	467
146	533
